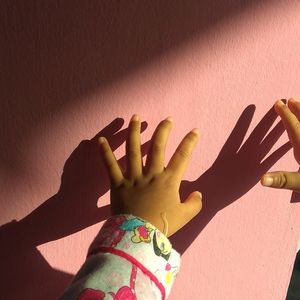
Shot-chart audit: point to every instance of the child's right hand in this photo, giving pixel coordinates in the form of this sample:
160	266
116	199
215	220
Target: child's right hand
290	116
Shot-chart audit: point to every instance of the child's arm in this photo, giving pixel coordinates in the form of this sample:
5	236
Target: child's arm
131	257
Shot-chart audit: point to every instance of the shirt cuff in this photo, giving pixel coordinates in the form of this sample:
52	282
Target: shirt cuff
141	243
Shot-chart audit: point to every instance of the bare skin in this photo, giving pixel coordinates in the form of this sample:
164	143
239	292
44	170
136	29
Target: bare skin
152	190
290	116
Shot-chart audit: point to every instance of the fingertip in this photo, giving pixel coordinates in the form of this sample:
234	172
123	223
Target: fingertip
279	107
102	140
200	195
170	119
292	100
194	202
196	131
279	103
200	202
135	117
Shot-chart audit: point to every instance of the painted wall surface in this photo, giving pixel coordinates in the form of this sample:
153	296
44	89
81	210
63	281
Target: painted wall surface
74	70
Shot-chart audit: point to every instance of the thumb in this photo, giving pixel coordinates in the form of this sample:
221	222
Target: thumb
282	180
193	204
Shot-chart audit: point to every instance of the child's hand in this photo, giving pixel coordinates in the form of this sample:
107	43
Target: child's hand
152	192
290	115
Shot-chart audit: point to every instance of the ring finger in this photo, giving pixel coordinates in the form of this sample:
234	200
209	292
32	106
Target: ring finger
156	157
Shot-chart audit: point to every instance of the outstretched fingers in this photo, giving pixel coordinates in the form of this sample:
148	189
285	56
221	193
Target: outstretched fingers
133	148
155	162
111	164
179	161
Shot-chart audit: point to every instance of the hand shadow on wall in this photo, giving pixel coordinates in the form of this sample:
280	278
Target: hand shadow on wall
26	274
238	167
55	53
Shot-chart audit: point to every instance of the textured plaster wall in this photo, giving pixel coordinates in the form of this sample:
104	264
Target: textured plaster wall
70	68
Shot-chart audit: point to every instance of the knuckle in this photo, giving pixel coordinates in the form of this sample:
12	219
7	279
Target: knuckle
156	148
183	153
133	153
120	186
109	164
297	125
281	180
152	179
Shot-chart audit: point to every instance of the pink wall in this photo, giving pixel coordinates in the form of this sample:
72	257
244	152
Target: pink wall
69	68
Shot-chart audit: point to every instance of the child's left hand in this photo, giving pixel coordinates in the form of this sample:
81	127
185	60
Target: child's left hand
152	192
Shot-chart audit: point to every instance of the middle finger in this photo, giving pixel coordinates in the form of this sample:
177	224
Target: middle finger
156	157
133	148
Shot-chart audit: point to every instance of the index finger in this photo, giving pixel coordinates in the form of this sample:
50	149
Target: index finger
111	164
180	158
290	122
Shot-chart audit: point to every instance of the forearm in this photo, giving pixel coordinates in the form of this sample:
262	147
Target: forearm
128	257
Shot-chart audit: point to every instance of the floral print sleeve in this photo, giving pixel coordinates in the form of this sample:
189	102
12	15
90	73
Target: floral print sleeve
129	259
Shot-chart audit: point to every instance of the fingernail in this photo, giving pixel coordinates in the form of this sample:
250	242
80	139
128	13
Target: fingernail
135	117
101	140
267	181
279	103
292	100
196	130
170	119
200	194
